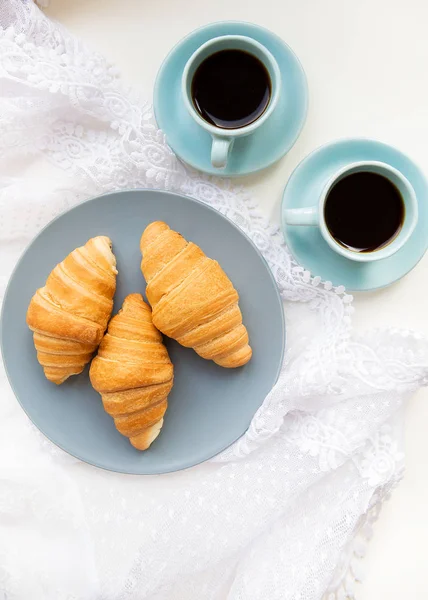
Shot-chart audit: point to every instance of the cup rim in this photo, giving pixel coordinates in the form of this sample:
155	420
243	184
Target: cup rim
390	248
239	131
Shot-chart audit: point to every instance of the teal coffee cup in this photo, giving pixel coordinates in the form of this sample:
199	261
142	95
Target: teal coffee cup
224	136
372	210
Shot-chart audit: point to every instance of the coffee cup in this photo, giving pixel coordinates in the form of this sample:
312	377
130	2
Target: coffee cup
209	86
366	211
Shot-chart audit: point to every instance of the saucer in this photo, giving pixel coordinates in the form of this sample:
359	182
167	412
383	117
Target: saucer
252	153
308	246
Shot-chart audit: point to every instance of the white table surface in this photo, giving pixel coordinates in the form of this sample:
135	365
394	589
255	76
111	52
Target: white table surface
366	63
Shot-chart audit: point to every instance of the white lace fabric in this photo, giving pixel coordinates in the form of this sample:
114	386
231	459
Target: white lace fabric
279	515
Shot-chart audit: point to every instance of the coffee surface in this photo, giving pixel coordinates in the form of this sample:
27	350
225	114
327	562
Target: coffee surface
364	211
231	89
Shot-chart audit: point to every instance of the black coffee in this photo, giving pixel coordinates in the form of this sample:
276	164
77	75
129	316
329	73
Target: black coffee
364	211
231	89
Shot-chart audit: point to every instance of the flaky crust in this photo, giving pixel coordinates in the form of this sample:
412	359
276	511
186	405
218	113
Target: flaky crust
192	298
68	316
133	373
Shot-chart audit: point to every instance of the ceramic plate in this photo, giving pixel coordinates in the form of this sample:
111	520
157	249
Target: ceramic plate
209	407
254	152
307	244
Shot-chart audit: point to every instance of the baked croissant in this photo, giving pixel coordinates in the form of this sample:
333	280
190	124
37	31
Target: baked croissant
68	316
133	373
192	298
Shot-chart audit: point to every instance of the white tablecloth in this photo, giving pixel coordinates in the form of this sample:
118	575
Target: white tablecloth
311	478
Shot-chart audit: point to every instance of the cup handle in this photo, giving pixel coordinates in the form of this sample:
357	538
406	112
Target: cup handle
301	216
220	151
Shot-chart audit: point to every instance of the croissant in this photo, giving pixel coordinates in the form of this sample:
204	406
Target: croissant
68	316
133	373
192	298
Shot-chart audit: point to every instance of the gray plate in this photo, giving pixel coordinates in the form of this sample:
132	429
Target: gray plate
209	407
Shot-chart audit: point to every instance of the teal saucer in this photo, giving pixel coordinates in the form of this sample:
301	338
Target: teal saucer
308	246
255	152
